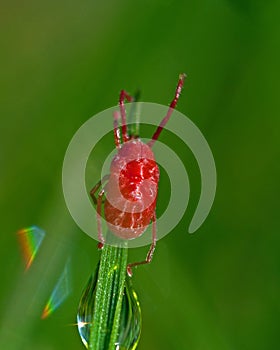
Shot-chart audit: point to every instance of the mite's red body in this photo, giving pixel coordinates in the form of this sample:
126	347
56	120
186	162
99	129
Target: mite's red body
135	174
132	187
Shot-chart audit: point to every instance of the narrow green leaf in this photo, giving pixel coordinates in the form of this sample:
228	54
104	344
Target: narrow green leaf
107	306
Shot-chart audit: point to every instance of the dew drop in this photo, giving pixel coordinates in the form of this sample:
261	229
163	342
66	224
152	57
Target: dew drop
130	318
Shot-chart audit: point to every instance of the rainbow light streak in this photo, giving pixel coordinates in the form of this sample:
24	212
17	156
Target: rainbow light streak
60	292
30	239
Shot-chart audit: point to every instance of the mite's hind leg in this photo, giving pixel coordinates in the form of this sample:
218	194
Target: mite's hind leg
99	222
96	188
151	250
98	201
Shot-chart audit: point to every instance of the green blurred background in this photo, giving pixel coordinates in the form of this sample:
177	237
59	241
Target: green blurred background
61	63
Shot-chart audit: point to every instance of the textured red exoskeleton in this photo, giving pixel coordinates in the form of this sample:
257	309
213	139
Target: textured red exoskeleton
132	186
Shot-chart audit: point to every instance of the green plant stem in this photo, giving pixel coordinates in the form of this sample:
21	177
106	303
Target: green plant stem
108	300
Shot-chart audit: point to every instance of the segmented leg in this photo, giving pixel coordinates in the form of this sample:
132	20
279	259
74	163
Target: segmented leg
170	110
98	201
117	134
124	96
151	250
96	188
98	217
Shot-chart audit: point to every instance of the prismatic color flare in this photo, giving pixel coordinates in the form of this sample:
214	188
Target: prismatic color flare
60	292
30	239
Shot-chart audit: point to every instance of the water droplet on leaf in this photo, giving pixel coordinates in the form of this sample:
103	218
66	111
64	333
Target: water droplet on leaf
130	317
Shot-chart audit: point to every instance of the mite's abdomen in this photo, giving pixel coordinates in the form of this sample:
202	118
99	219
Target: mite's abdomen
131	192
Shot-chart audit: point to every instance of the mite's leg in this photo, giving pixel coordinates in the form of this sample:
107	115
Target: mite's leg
151	250
124	96
98	216
96	188
170	109
117	135
98	201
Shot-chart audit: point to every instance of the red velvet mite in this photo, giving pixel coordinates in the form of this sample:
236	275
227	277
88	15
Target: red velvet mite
131	188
